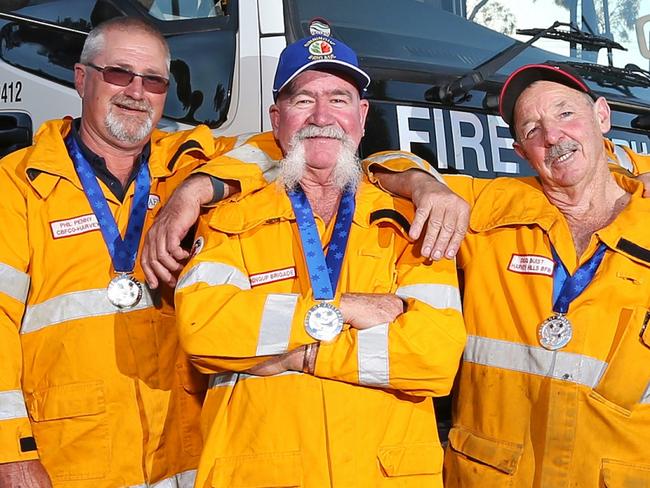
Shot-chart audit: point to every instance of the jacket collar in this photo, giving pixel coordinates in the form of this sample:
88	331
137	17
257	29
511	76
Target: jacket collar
47	159
512	201
628	233
521	201
271	204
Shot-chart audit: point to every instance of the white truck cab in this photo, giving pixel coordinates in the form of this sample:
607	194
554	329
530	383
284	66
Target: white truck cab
437	65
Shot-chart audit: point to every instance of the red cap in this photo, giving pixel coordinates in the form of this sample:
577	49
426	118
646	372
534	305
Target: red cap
523	77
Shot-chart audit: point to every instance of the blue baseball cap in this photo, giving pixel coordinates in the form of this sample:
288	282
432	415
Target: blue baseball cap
315	52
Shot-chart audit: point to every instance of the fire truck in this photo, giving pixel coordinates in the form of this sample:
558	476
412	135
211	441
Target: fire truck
437	65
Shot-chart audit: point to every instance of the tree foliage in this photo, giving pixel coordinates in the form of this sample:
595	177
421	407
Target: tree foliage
496	15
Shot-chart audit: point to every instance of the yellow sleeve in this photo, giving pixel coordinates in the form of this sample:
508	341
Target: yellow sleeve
400	161
16	440
250	160
224	324
419	352
396	162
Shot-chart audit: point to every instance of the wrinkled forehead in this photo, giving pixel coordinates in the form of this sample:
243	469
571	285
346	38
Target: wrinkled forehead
547	94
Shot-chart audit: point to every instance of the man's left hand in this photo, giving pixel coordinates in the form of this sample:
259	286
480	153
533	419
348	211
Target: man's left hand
162	256
442	213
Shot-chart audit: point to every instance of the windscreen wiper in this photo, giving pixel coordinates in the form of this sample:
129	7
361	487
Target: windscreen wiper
458	90
589	41
612	77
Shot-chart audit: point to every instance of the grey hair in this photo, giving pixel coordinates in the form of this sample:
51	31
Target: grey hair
95	41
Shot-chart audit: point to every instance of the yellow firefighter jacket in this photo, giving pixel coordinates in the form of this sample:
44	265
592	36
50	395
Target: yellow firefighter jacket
365	418
103	397
525	416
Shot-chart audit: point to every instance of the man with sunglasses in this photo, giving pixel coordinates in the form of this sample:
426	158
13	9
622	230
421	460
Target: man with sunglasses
94	388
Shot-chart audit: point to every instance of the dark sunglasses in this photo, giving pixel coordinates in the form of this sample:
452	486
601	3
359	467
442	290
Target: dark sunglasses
123	77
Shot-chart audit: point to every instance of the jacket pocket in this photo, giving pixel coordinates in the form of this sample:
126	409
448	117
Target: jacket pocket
258	471
191	393
497	456
627	376
618	474
71	430
412	459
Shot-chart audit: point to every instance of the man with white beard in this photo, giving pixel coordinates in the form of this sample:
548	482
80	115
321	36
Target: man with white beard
325	330
94	388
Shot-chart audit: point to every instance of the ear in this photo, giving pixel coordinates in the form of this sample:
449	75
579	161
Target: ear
364	106
274	115
603	113
519	150
79	78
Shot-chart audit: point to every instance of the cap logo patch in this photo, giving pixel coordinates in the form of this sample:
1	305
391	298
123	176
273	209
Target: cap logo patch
319	27
320	48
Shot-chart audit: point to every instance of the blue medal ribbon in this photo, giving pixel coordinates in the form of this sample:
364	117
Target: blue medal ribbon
123	252
323	271
567	287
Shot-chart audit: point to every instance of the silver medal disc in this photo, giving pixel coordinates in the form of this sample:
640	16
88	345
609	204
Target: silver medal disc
323	322
555	332
124	291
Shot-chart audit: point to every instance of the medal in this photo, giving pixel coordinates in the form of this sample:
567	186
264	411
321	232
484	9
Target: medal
555	332
323	321
124	291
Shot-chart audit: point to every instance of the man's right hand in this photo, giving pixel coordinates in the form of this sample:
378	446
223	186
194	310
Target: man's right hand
24	474
162	255
365	310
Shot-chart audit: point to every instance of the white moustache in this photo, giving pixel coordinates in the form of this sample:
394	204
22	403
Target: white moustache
560	149
329	131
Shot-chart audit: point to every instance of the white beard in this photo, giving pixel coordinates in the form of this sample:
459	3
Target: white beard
127	130
347	172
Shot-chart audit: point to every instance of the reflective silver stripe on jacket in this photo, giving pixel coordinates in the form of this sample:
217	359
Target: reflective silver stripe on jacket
231	378
14	283
12	405
646	395
181	480
565	366
372	355
214	274
421	163
434	295
76	305
275	327
248	153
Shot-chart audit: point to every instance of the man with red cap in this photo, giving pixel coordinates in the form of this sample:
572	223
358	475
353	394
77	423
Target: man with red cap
554	387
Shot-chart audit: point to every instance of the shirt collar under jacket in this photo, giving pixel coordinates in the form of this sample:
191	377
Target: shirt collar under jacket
98	164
